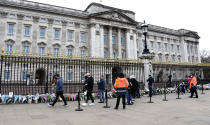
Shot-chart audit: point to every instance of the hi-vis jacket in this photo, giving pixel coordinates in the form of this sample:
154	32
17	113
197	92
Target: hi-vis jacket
121	83
193	81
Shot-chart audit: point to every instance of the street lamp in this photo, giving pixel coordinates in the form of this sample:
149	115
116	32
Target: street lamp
144	28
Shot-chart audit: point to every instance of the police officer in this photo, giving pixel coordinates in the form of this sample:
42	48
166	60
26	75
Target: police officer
121	85
150	81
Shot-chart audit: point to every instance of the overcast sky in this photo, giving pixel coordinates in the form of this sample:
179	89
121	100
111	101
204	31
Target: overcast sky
187	14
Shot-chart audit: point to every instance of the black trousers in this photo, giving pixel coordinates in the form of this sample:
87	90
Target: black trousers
59	93
150	91
194	90
89	96
119	95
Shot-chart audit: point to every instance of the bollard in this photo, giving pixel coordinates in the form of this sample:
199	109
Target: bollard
165	93
178	91
202	89
150	96
78	98
106	106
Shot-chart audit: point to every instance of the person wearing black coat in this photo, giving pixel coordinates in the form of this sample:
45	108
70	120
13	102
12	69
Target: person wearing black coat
89	81
150	81
134	87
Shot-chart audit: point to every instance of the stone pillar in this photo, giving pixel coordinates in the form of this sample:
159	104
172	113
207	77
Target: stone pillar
198	53
119	43
128	44
92	39
184	50
50	35
35	35
3	16
102	41
63	37
135	45
19	28
148	70
110	43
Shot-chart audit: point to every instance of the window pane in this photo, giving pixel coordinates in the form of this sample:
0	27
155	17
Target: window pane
83	37
56	51
24	76
27	30
11	29
69	76
6	75
70	35
82	53
105	56
113	39
69	52
57	34
41	51
9	49
25	50
105	39
42	32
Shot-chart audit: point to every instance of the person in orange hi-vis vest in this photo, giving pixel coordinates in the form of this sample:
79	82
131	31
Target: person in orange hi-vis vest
121	85
192	86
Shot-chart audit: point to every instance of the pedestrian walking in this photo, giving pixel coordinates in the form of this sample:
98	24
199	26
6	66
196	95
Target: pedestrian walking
101	88
150	81
59	90
193	86
121	85
135	85
129	91
89	81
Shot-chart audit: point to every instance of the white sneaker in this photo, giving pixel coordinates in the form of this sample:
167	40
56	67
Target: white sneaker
92	104
84	104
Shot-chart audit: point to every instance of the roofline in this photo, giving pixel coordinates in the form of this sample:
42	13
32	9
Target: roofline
105	6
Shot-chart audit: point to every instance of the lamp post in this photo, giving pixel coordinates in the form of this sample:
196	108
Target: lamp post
144	28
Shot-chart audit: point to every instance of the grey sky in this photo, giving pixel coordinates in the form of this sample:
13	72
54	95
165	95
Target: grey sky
188	14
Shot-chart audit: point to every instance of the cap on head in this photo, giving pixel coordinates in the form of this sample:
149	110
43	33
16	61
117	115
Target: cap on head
87	74
132	77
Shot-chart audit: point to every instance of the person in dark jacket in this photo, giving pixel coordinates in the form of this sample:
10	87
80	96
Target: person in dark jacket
150	81
89	87
134	86
129	91
101	88
59	90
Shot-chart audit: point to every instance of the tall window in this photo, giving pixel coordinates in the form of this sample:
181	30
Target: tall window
178	48
166	47
159	46
7	75
57	33
105	55
82	76
83	53
160	58
179	59
24	76
25	50
56	52
70	52
70	35
11	29
151	44
83	37
69	76
113	39
166	58
41	51
105	39
122	40
27	30
9	49
173	58
123	55
42	32
114	55
172	47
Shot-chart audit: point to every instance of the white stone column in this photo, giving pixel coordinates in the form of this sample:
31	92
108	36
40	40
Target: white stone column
128	44
92	39
3	16
119	44
102	41
184	50
199	54
148	70
110	43
135	45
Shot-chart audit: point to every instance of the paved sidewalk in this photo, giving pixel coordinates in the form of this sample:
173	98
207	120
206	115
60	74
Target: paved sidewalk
186	111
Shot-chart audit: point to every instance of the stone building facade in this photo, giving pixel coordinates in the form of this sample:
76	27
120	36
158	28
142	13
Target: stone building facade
98	31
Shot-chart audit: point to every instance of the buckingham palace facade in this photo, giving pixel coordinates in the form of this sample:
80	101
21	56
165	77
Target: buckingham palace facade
35	38
98	31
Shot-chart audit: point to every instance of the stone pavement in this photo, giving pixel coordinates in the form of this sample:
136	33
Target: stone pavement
186	111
